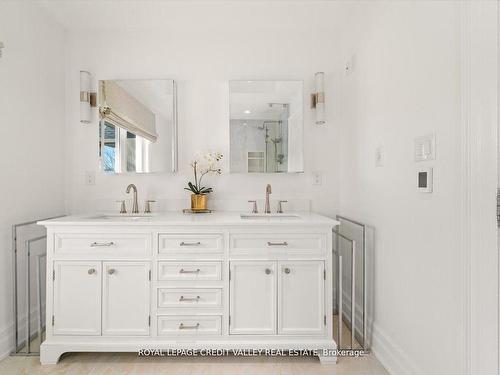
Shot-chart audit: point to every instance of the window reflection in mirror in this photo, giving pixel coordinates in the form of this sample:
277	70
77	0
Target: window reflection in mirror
138	130
266	126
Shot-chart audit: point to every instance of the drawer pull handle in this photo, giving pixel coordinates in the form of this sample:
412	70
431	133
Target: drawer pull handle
268	271
287	270
183	326
91	271
102	244
284	243
182	270
184	299
111	271
190	243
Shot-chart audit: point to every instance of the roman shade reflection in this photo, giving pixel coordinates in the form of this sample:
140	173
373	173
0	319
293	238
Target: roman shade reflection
138	126
121	109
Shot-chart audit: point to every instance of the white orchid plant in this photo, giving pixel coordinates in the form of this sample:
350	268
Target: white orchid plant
208	163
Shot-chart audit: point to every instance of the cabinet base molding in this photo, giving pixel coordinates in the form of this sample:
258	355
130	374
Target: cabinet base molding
50	352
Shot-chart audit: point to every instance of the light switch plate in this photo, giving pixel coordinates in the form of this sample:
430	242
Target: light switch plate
425	148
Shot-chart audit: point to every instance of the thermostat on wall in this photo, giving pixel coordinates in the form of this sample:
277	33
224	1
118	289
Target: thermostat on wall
424	180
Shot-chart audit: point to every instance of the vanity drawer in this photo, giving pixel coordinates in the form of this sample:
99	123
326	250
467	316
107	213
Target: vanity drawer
92	244
185	271
189	297
189	325
190	243
284	242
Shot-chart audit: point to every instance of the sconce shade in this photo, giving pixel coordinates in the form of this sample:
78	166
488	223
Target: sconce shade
85	111
319	79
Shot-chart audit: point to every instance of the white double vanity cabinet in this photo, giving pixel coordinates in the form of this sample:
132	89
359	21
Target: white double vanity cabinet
176	281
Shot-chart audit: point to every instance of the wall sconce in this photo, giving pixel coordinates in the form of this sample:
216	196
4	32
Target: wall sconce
318	98
88	99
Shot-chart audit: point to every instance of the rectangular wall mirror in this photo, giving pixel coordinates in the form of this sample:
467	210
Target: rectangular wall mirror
266	126
138	126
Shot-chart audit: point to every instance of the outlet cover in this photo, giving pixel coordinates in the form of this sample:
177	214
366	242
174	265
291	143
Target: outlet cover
379	156
349	65
317	178
89	177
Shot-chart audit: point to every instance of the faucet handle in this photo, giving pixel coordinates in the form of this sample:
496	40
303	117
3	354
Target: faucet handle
123	208
147	206
280	208
254	209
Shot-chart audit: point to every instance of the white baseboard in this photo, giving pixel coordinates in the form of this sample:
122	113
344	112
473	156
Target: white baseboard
6	342
391	356
346	311
7	333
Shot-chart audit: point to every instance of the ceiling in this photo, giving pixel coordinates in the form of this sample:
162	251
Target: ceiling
115	15
252	99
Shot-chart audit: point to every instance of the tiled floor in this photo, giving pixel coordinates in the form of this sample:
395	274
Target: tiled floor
130	363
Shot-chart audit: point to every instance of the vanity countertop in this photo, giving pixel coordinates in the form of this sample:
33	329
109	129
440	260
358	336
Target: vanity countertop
179	218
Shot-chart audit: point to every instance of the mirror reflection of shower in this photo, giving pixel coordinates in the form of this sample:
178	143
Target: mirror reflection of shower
266	127
276	132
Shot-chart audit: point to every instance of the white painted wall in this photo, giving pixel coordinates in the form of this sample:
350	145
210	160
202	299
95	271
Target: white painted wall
406	82
32	129
202	54
481	116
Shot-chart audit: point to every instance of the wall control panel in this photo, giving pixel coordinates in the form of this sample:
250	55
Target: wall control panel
424	180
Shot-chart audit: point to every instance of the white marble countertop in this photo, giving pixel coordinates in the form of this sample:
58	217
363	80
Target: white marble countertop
179	218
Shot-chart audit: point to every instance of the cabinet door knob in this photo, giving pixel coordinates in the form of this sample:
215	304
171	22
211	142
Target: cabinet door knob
111	271
91	271
287	270
268	271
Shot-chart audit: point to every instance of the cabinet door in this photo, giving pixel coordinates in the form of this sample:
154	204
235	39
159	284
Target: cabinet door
253	297
125	299
301	298
77	298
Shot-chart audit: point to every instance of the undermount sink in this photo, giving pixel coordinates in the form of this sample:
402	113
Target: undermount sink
269	216
122	217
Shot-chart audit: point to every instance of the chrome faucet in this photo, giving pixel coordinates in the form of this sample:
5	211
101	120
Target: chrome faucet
135	206
280	207
267	207
254	208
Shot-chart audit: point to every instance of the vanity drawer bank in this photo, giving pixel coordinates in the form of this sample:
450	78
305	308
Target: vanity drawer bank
120	283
